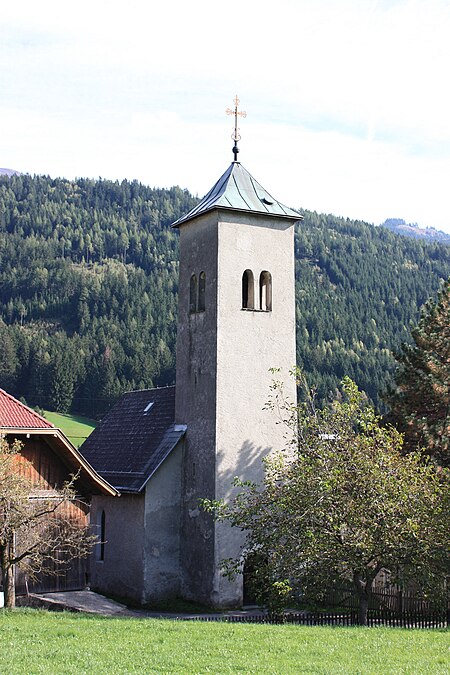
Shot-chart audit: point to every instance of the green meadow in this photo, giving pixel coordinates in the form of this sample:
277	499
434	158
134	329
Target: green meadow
75	427
33	641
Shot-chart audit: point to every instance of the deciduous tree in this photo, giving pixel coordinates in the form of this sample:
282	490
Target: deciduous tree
339	504
35	533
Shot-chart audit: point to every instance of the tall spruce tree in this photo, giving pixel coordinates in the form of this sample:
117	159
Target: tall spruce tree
420	403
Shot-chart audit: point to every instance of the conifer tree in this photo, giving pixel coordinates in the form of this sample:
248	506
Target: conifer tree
420	404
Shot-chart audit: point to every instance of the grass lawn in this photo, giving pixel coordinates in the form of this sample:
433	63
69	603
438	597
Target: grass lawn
33	641
76	428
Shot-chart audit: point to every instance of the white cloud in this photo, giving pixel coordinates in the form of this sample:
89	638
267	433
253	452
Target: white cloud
347	102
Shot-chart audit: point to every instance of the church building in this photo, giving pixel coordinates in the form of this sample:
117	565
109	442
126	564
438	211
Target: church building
165	449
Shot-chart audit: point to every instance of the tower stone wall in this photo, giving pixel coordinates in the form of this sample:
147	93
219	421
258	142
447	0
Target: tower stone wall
224	353
196	405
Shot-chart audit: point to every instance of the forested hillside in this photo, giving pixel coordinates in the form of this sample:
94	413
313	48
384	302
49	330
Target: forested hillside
88	286
358	289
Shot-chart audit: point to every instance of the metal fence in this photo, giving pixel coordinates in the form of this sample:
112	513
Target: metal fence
375	618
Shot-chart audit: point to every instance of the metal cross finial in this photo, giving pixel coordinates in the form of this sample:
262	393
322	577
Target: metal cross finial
236	136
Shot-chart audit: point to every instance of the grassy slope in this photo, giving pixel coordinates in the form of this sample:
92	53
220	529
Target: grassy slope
76	428
40	642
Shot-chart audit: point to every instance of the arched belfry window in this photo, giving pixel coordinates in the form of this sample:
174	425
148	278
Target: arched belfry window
193	294
201	292
248	290
265	291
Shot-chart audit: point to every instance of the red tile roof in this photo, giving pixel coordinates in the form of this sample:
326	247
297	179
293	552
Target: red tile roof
14	414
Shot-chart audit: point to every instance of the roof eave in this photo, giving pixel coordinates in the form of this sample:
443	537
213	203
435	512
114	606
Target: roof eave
217	207
182	432
77	458
122	490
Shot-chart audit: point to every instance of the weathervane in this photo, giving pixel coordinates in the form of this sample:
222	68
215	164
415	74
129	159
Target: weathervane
236	136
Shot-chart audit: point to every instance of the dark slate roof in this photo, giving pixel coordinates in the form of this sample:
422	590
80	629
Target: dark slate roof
134	438
239	191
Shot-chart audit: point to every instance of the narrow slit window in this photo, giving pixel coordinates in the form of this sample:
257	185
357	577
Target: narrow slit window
248	290
265	291
201	292
193	294
101	524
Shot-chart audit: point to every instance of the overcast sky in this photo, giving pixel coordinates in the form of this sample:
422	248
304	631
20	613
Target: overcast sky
347	101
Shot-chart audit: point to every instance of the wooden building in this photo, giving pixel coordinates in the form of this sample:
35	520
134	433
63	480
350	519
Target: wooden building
52	461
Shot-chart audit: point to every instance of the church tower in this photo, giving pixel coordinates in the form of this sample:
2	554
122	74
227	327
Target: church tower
236	320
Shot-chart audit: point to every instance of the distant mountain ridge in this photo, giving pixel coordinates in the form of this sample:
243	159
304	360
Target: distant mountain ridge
9	172
399	226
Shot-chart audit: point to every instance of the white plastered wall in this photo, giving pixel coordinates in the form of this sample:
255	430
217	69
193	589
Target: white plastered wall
249	343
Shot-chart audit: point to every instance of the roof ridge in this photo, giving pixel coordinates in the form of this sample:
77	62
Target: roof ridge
141	391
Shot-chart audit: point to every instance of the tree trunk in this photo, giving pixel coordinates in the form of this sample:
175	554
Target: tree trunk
363	609
364	590
9	582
